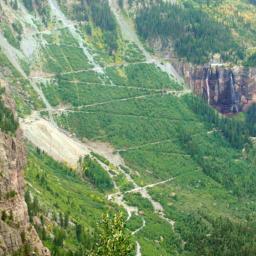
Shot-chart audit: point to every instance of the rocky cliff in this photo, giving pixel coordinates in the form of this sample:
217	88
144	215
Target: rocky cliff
16	233
229	89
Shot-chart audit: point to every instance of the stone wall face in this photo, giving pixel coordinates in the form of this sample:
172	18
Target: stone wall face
15	228
215	82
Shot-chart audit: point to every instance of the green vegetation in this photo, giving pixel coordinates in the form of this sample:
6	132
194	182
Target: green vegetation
113	238
99	14
141	75
194	34
62	58
132	53
10	36
61	37
96	174
123	183
231	238
41	7
160	136
181	138
69	208
199	29
136	200
251	120
25	97
157	236
7	120
236	132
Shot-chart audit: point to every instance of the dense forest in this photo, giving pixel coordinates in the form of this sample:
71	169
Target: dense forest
251	120
206	235
96	174
237	133
195	36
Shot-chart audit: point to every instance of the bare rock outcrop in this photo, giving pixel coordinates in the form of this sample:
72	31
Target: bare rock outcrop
15	228
223	86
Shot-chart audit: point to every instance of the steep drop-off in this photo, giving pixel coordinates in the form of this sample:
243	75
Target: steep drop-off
86	84
17	235
229	89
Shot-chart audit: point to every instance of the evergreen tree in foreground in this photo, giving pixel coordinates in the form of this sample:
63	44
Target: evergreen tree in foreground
113	239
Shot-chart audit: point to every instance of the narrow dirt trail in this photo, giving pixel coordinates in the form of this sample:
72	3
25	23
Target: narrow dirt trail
118	198
81	108
129	33
62	146
139	189
88	69
140	228
138	249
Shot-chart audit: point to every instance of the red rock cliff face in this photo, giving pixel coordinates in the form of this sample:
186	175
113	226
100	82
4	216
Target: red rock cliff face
217	83
15	229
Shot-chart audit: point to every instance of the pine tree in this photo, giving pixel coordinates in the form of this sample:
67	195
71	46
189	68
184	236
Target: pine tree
113	239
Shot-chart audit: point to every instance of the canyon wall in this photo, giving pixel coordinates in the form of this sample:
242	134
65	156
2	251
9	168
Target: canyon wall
16	233
229	89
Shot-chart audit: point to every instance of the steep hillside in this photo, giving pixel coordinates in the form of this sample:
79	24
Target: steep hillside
206	41
112	128
17	235
197	30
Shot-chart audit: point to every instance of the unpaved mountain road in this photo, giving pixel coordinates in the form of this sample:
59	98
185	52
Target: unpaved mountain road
64	147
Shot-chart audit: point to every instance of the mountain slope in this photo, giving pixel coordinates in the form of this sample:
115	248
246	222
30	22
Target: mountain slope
183	174
17	235
198	30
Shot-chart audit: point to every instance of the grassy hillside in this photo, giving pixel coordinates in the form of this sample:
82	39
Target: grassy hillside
212	179
61	204
160	136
